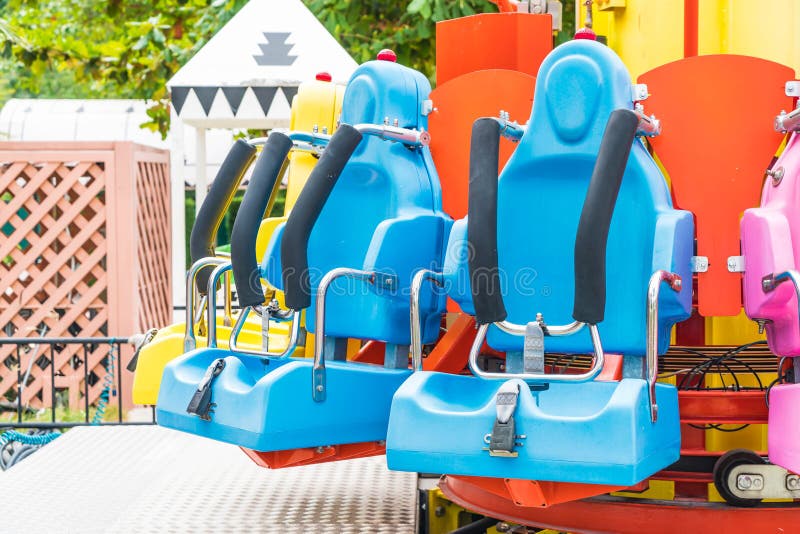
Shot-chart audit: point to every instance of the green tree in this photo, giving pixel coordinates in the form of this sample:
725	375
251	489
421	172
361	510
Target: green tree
130	48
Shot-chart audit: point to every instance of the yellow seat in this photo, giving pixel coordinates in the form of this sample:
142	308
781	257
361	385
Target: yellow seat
316	105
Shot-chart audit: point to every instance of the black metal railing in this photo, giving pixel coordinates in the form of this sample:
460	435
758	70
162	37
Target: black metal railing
57	344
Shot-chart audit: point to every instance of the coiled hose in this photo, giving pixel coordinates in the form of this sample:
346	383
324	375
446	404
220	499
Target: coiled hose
16	446
108	387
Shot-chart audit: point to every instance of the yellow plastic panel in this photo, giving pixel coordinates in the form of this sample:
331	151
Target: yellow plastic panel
737	330
766	29
650	33
168	345
645	33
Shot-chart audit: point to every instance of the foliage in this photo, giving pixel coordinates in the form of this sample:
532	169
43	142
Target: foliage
130	48
109	49
365	27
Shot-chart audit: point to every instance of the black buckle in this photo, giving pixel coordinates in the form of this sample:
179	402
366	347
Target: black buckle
201	404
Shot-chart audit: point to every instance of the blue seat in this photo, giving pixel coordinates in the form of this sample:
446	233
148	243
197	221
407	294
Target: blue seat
585	431
379	212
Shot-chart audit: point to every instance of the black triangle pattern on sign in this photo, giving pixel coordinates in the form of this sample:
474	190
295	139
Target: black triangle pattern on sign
179	95
264	95
234	96
289	93
206	97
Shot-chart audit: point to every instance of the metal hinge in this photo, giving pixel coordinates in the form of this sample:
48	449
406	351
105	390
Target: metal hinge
699	264
736	264
639	92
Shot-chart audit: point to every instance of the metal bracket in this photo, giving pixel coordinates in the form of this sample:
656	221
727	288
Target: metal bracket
767	481
427	107
699	264
777	175
200	403
639	92
504	436
533	351
793	89
736	264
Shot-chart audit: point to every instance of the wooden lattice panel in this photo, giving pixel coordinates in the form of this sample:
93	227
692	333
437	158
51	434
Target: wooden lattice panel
85	252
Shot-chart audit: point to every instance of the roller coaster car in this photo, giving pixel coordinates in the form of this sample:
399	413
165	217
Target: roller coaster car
315	108
771	247
369	218
524	423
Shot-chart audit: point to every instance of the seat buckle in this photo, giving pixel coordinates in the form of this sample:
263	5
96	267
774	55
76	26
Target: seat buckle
503	437
201	404
533	351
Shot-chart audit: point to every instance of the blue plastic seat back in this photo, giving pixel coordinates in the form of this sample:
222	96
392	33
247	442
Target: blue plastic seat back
540	196
384	214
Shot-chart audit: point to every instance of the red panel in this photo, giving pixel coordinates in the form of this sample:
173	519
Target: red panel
510	41
625	516
718	140
458	103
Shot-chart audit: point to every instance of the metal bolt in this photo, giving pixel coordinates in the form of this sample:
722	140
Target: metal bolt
790	88
744	482
320	450
792	482
320	388
325	130
749	482
396	123
315	129
776	175
761	322
502	527
386	120
439	511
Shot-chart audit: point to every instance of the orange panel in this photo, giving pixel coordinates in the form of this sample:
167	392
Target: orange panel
510	41
531	493
718	140
315	455
458	103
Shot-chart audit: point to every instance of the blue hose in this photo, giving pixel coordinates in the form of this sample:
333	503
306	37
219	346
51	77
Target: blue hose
108	387
26	439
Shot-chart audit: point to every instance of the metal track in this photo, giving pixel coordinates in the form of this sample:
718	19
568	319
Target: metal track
150	479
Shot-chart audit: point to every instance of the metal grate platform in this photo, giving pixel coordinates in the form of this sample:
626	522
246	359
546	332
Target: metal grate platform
150	479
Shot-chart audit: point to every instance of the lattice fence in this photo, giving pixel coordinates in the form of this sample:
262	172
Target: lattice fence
85	252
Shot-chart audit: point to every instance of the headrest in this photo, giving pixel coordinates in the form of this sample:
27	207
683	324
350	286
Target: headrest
381	89
582	82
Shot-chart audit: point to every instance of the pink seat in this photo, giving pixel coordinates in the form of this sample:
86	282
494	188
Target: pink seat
771	246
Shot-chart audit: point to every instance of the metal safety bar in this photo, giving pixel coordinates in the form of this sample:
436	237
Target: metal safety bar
189	339
597	366
416	320
648	126
788	122
770	282
318	374
223	269
653	288
511	130
294	334
395	133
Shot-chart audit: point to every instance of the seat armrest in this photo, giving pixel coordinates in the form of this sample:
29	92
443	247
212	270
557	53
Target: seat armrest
402	246
767	248
673	248
456	268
